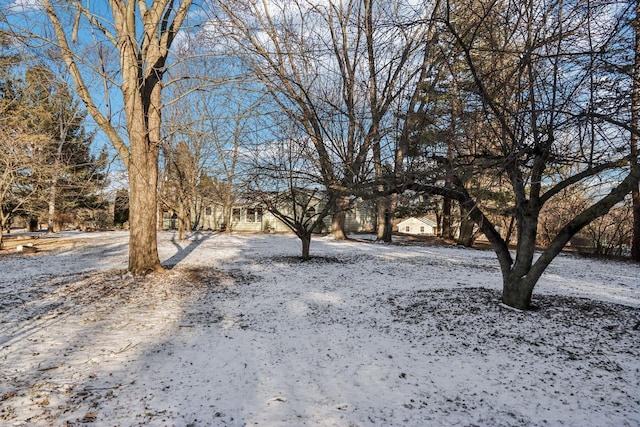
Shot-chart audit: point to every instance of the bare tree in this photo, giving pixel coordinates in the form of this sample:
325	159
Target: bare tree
140	34
338	69
20	142
560	210
610	234
181	173
232	119
287	183
186	152
539	129
18	170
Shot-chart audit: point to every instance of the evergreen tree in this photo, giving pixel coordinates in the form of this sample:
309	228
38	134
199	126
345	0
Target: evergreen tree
71	174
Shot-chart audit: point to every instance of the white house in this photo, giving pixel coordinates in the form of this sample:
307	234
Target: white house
253	217
414	225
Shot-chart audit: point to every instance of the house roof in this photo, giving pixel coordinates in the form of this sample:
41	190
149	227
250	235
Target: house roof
424	220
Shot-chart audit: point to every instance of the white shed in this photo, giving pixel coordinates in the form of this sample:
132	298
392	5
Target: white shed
418	226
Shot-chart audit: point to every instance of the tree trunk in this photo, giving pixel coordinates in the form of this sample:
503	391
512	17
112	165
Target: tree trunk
466	230
516	292
635	244
339	217
143	243
184	218
447	230
160	217
57	166
182	224
635	121
32	224
384	214
52	209
144	122
507	237
5	223
306	244
195	214
228	209
456	108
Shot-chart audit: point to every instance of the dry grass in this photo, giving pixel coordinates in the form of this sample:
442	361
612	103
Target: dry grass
10	242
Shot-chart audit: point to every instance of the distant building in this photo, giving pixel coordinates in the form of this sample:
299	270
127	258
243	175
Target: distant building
423	226
253	217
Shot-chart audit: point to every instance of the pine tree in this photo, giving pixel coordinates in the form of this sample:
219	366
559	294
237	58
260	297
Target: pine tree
71	174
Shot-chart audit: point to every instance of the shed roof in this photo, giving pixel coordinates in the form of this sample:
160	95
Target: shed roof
424	220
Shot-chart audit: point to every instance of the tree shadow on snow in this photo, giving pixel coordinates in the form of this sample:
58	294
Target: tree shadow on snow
195	240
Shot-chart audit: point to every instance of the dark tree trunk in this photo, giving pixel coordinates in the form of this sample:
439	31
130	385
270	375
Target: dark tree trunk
517	292
507	237
306	244
384	211
32	224
447	230
466	230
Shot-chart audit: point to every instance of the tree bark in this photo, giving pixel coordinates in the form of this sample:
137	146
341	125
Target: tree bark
384	210
143	243
160	217
182	223
507	237
228	207
635	121
466	230
517	292
231	173
52	208
339	217
635	243
447	230
32	224
306	244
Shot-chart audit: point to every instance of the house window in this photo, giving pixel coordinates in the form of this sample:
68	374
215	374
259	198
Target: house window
422	228
207	211
254	215
251	215
310	213
235	215
407	229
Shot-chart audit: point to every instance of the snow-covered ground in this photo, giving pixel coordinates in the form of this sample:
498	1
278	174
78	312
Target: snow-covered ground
240	332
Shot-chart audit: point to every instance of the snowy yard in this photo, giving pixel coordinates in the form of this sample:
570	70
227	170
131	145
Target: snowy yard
240	332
